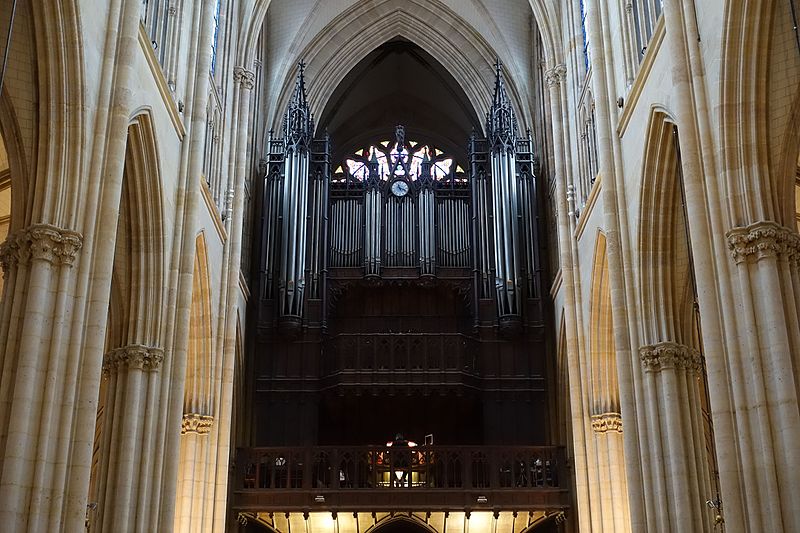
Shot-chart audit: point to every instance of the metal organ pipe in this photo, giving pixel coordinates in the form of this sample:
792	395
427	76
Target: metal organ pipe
298	128
373	232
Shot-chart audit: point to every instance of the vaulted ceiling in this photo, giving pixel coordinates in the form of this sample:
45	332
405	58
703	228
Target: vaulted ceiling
455	46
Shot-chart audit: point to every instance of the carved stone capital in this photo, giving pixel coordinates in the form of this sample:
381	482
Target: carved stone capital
43	242
52	244
666	355
555	75
133	357
10	251
196	423
245	77
763	239
603	423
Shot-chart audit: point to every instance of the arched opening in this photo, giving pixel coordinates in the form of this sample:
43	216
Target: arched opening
127	410
401	525
604	401
674	379
604	390
399	83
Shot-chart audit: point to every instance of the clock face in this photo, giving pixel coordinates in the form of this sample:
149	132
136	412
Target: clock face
399	188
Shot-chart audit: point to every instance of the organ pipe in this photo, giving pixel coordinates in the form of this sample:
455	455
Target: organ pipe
506	198
372	228
298	129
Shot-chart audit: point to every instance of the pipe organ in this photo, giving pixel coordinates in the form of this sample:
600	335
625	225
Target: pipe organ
505	221
404	275
401	210
294	212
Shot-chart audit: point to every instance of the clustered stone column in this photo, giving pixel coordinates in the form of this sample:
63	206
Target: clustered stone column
205	436
766	382
585	477
672	395
37	264
133	378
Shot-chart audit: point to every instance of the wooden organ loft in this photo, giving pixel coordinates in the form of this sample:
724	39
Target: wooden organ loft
399	302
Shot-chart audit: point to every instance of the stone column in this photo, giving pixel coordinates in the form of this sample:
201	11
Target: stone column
636	445
244	81
38	263
555	78
132	372
671	379
196	463
767	258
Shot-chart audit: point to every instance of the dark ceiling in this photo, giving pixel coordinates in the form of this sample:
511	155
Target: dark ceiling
399	83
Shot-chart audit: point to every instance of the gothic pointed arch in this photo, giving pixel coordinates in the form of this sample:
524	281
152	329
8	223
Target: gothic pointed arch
761	68
665	283
545	12
135	340
141	235
199	365
60	115
15	164
604	388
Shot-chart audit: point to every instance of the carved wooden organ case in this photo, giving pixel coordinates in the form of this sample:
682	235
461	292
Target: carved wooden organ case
394	216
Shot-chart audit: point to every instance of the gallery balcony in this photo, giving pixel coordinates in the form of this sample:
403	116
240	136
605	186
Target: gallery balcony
399	478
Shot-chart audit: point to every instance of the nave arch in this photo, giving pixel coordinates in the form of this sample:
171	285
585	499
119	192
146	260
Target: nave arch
195	470
672	395
546	13
128	409
468	52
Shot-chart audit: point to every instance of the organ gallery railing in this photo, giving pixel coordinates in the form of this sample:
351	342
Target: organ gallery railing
503	477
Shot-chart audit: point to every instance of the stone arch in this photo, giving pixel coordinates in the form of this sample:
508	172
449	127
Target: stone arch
664	276
401	524
14	164
790	168
197	394
60	117
463	51
135	333
141	236
761	65
603	386
563	408
544	11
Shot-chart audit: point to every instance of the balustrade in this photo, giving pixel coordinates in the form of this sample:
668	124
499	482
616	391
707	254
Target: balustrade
504	476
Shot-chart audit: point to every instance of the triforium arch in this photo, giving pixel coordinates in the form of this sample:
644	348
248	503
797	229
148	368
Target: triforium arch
134	357
672	369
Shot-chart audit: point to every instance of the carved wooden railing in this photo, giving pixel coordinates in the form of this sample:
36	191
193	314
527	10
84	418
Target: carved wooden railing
385	478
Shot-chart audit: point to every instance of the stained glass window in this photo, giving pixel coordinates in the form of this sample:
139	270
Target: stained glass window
407	162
